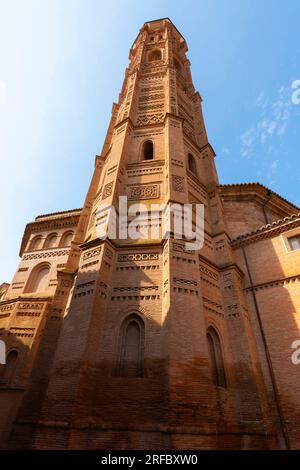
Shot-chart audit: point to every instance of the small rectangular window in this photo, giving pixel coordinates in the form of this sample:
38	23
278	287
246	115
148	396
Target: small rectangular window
294	242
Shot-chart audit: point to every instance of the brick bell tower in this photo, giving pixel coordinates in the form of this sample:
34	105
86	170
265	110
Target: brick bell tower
147	344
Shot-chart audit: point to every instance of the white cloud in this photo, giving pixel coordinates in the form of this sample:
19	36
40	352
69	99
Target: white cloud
274	164
261	101
247	141
271	127
263	138
282	129
272	122
248	137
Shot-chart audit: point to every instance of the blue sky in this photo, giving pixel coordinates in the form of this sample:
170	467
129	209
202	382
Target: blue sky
62	65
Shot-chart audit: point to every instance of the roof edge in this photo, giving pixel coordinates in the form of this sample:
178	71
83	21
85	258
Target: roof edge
257	184
68	212
267	228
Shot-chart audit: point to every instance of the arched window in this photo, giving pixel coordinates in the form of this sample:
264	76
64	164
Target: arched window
36	243
155	55
38	279
148	151
9	368
50	241
192	164
66	239
131	355
216	357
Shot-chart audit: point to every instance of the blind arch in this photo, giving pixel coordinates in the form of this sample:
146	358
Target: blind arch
216	358
35	243
38	278
51	240
131	354
66	238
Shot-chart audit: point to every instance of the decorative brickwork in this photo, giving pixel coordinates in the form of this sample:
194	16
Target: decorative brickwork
144	192
144	344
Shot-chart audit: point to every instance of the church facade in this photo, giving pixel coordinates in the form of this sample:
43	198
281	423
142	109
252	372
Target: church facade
143	344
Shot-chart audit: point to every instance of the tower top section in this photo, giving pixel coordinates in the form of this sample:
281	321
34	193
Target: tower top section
157	84
159	25
157	31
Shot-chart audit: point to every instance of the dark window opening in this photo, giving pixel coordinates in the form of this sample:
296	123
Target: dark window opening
192	164
148	150
155	55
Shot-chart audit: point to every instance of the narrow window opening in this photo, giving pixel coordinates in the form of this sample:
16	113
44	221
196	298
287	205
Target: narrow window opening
148	150
192	164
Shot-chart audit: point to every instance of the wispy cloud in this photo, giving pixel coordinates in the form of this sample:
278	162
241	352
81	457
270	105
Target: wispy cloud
272	122
247	140
274	164
261	101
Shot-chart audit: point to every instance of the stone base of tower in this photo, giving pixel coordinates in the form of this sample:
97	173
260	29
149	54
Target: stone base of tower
57	436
